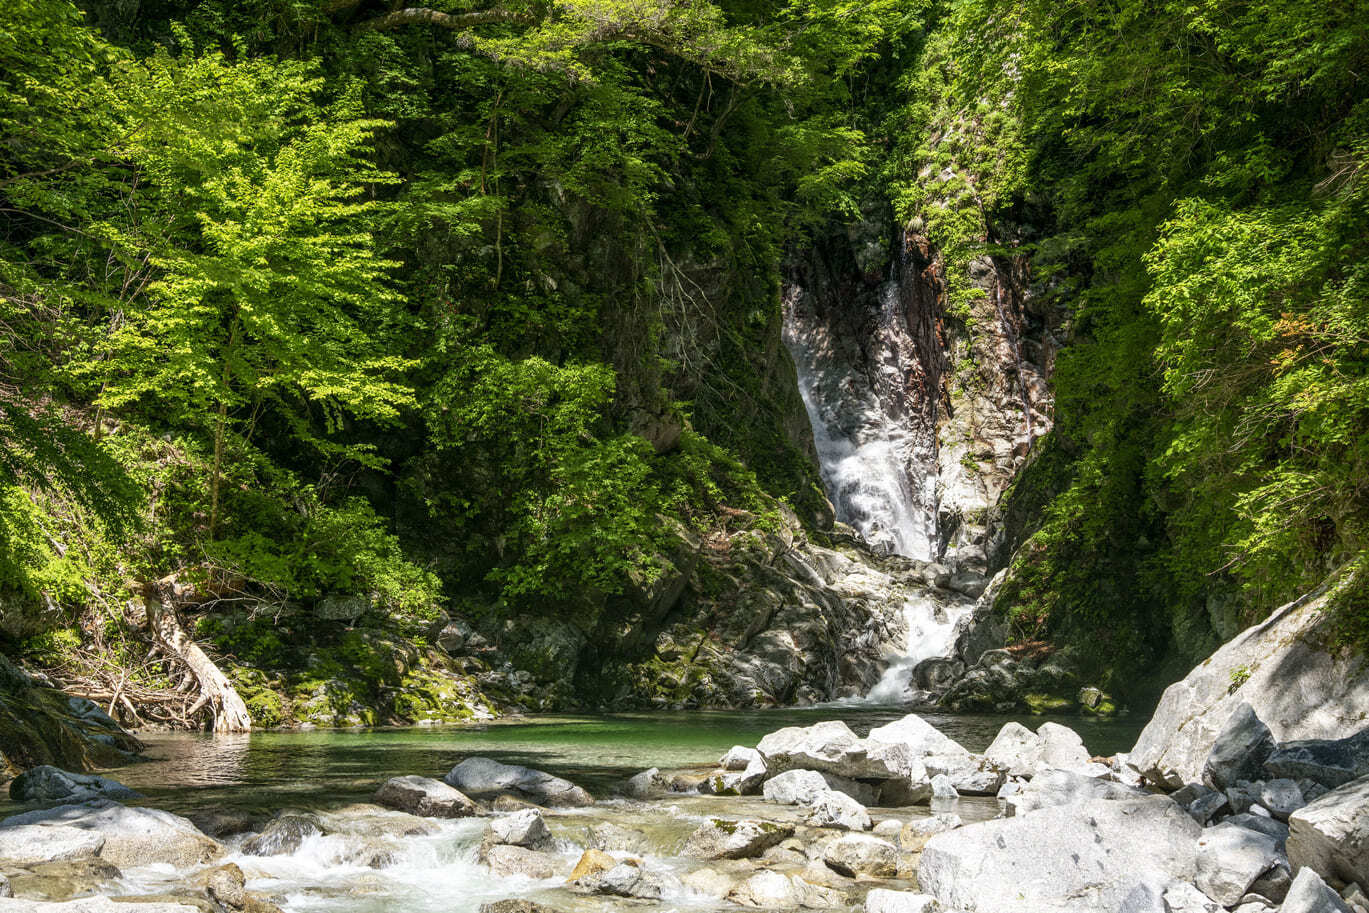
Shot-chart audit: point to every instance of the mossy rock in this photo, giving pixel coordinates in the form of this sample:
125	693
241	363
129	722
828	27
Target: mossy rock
1047	703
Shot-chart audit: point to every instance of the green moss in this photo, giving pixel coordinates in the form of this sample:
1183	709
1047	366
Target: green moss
1047	703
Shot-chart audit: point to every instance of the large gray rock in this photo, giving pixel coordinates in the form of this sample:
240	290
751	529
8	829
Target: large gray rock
1309	894
862	854
1280	668
831	747
27	844
836	809
970	774
744	782
424	796
771	890
1231	858
1086	858
525	828
626	880
283	835
1240	750
1328	762
505	859
1016	749
133	836
724	839
1052	788
1331	834
482	777
795	787
1063	749
921	737
46	783
739	757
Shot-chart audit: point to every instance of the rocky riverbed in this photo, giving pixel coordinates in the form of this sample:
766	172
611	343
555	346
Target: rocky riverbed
1248	791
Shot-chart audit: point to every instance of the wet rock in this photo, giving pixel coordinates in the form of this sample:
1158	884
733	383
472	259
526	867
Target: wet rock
1231	858
505	860
516	905
592	862
1309	894
739	757
1331	834
644	784
526	828
836	809
626	880
5	889
905	791
508	802
615	838
220	824
1300	690
225	884
133	836
64	880
743	782
795	787
46	783
943	788
772	890
424	796
283	835
1240	749
862	854
32	843
1062	787
483	777
882	900
159	904
1329	762
1084	858
724	839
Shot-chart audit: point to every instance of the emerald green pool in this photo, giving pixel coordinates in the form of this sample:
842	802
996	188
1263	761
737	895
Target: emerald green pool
329	768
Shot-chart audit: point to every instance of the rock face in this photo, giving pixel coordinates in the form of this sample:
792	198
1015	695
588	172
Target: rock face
133	836
424	796
46	783
1240	751
1331	834
483	777
1066	859
1284	668
1327	762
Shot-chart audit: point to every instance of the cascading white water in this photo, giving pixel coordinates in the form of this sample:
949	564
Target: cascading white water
874	432
877	465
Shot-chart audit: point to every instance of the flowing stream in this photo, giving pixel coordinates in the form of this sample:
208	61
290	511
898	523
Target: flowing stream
369	861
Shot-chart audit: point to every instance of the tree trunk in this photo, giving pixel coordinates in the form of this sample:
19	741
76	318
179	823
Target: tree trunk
216	691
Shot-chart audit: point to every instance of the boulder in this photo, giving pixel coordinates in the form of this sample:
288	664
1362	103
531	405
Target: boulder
1309	894
1331	834
915	834
970	774
1231	858
1053	788
525	829
46	783
1240	749
1185	898
27	844
1282	668
484	777
882	900
592	862
836	809
921	737
644	784
943	788
744	782
771	890
626	879
615	838
828	746
1063	749
795	787
724	839
505	860
283	835
1083	858
1016	749
1329	762
739	757
862	854
133	836
424	796
225	884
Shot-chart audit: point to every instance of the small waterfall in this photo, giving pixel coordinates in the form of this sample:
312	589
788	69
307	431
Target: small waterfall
859	375
931	633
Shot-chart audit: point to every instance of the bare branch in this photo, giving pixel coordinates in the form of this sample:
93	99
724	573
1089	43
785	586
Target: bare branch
417	15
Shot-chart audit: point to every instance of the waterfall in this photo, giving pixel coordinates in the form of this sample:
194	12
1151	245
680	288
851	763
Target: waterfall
860	376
